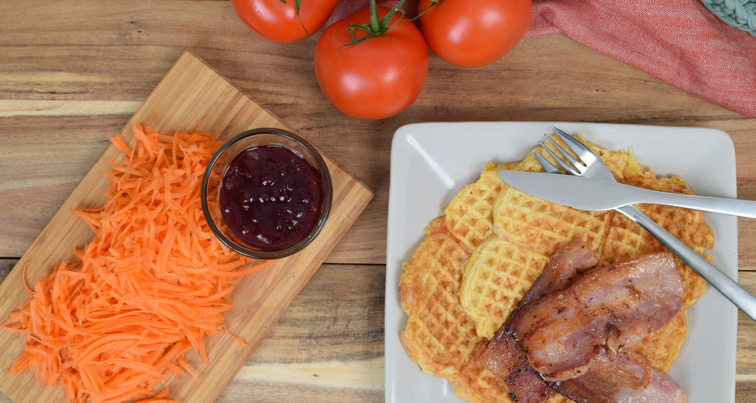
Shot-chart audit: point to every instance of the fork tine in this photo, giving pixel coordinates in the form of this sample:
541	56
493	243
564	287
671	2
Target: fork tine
567	167
576	163
580	149
547	166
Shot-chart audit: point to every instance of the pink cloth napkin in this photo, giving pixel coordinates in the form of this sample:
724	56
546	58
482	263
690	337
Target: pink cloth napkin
678	41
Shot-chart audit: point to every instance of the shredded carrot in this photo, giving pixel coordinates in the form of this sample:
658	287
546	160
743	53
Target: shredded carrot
153	282
237	338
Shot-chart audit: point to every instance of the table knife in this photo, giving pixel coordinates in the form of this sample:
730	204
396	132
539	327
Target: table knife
597	195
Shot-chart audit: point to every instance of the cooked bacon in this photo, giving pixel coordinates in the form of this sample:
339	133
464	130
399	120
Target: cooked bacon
608	375
663	389
567	264
504	357
608	307
624	377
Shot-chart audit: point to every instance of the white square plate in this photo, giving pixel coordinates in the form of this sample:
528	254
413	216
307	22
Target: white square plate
430	162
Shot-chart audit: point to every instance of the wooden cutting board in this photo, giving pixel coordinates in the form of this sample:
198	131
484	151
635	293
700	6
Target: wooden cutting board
190	92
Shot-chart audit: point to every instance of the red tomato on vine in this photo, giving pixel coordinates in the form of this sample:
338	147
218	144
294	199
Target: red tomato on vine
284	20
473	33
378	75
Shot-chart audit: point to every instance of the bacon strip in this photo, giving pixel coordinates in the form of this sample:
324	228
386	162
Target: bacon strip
504	357
567	264
624	377
608	307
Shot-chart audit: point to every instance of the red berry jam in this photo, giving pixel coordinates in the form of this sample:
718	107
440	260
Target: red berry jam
271	197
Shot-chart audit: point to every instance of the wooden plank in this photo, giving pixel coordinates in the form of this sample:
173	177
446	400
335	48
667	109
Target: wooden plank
329	344
82	52
190	92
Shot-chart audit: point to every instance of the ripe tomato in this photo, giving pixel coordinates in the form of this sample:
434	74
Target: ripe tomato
376	78
278	21
472	33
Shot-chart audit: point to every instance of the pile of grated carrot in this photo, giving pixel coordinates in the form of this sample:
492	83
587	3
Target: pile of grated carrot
115	325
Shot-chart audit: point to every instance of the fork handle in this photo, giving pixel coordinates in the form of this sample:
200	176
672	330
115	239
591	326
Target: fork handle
733	291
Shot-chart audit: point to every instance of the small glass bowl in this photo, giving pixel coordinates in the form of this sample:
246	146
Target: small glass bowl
216	169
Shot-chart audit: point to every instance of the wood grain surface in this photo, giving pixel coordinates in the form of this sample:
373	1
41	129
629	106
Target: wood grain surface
73	72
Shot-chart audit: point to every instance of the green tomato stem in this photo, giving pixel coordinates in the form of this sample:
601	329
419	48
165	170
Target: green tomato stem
299	17
375	24
432	4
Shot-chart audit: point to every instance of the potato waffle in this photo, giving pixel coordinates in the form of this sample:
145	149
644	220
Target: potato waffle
479	258
495	279
438	335
469	216
544	227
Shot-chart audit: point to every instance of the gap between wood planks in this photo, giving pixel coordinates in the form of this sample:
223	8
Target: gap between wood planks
12	108
6	264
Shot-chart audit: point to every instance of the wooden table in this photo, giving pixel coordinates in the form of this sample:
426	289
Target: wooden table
73	72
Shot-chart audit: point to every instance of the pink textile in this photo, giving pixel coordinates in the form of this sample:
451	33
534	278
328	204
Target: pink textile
677	41
346	8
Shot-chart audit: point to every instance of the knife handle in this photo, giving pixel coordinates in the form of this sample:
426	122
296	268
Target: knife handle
733	291
742	208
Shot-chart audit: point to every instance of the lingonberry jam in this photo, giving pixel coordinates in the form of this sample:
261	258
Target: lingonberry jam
271	197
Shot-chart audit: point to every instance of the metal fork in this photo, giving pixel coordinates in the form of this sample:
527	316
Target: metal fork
590	165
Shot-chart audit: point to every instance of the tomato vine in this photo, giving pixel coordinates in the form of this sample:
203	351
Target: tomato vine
377	26
299	17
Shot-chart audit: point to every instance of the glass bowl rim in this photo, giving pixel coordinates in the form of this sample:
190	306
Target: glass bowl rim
327	184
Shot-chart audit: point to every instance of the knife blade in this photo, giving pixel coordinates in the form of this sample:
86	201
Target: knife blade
597	195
